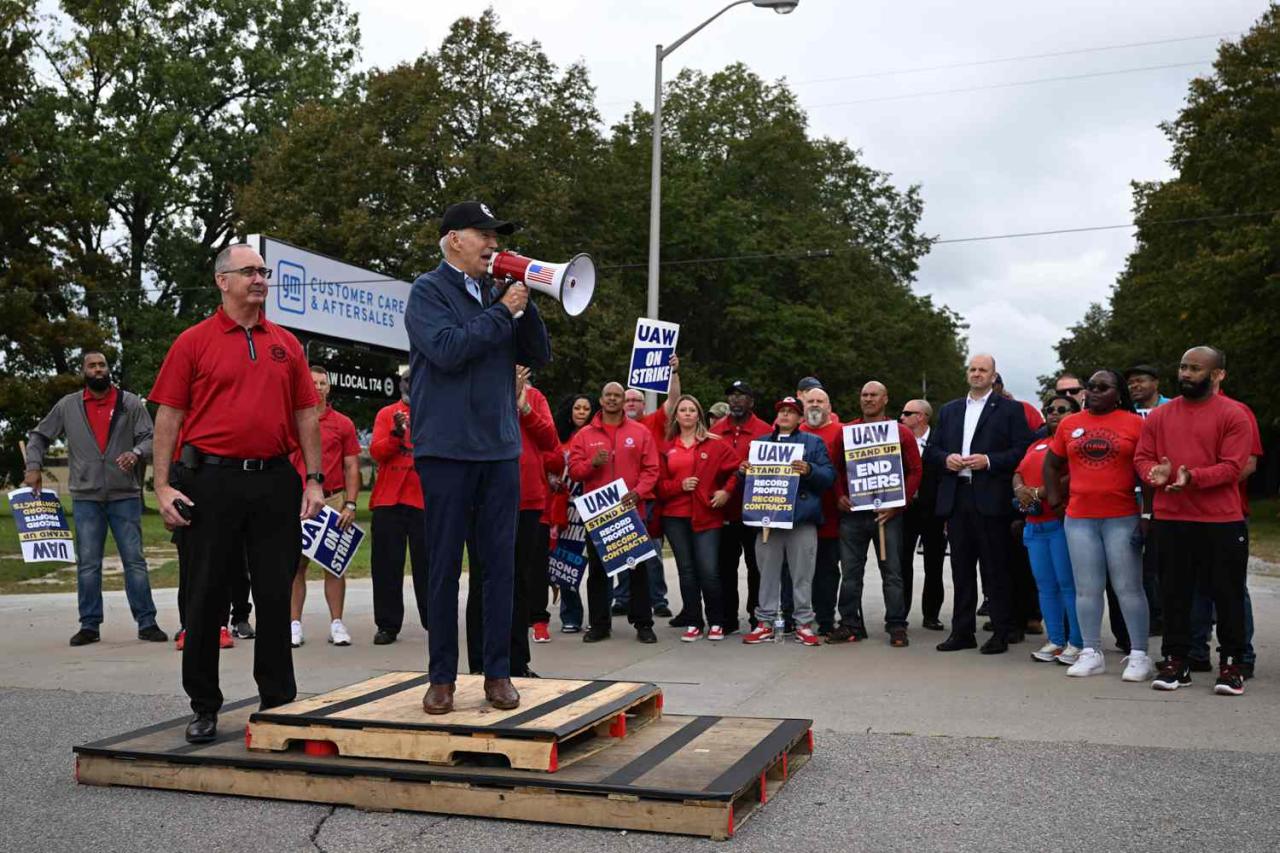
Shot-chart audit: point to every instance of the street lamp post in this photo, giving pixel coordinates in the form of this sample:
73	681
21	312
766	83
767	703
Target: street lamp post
782	7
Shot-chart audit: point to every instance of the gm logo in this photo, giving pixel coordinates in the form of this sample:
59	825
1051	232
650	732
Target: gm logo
291	288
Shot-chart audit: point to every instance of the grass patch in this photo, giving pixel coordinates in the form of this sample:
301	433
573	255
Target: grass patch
1264	529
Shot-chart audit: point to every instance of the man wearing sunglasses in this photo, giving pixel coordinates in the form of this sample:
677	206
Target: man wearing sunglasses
1070	384
921	524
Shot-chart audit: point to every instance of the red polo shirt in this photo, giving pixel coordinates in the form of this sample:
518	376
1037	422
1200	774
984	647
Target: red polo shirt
337	442
240	388
99	411
397	481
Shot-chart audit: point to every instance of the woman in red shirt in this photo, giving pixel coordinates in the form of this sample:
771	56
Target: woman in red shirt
1096	447
699	473
1046	543
571	415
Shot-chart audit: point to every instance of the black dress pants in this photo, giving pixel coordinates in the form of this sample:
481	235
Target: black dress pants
532	538
241	518
978	542
826	583
920	524
394	527
599	605
241	607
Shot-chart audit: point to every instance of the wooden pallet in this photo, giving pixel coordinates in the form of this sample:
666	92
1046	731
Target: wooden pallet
558	721
686	775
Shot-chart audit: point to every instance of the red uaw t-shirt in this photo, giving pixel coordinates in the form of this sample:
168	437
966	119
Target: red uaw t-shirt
1099	451
1031	470
240	388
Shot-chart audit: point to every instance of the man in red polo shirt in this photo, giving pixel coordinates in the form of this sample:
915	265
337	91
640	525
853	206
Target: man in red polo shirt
737	541
340	455
822	422
396	506
235	396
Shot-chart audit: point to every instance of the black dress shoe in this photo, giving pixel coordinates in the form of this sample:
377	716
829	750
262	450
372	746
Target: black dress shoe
1015	637
955	644
933	625
153	634
646	635
84	637
996	645
203	729
595	635
384	638
983	607
662	612
681	620
988	625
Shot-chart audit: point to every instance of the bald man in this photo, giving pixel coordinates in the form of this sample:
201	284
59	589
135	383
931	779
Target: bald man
979	442
921	524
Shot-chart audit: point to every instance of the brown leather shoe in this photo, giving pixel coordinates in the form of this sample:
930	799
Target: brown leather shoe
438	699
501	693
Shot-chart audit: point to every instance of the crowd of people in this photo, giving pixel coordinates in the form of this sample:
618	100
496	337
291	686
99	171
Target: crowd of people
1108	492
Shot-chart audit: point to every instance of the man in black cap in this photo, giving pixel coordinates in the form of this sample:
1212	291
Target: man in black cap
466	337
740	427
1144	387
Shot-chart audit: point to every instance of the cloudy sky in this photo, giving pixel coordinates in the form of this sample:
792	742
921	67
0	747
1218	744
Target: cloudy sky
997	159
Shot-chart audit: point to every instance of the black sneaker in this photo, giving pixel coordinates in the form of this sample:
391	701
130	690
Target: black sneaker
1246	671
153	634
384	638
662	612
1171	673
242	630
84	637
860	632
595	635
842	634
680	621
646	635
1200	664
1230	682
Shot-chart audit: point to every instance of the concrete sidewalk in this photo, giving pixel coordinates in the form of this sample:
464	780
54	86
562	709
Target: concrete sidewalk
1004	715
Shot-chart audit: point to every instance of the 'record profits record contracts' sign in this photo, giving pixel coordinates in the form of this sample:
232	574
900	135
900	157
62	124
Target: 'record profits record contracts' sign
651	351
314	293
327	545
42	526
769	496
617	534
873	464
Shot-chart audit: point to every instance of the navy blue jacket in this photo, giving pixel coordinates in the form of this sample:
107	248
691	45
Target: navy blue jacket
462	359
1002	434
820	477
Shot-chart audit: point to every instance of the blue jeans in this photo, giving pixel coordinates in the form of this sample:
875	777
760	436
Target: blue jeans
1046	543
1102	547
1202	618
124	517
697	554
570	607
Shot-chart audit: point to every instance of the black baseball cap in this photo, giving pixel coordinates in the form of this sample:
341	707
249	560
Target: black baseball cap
1142	370
474	214
738	386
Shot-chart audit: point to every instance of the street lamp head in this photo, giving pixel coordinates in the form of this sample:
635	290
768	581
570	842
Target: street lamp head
782	7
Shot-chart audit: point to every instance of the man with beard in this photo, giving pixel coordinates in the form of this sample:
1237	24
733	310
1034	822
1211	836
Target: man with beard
108	432
1192	452
819	420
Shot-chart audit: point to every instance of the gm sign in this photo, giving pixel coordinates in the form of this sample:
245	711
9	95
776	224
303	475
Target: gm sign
291	288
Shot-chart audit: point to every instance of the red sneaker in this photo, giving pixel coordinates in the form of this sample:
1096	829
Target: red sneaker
180	640
224	639
691	634
805	636
762	634
541	632
716	633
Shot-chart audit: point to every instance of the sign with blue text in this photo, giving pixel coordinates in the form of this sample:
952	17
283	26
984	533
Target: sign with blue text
327	545
42	526
769	495
873	465
651	351
567	562
617	533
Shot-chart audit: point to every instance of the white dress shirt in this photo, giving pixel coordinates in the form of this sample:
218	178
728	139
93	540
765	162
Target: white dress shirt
922	441
972	412
473	286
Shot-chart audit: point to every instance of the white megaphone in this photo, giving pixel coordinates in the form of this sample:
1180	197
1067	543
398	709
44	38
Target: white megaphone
570	283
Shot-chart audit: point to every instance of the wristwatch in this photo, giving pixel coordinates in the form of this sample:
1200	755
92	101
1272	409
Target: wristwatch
319	478
351	505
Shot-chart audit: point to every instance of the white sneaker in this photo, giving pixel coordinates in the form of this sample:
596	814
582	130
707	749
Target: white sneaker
1138	667
1090	662
295	634
1048	653
338	633
1069	655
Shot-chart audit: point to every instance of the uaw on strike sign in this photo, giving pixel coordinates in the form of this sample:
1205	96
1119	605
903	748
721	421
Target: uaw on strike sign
42	527
325	543
873	463
618	534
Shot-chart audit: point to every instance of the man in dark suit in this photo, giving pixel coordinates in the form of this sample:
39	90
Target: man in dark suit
979	442
922	524
465	340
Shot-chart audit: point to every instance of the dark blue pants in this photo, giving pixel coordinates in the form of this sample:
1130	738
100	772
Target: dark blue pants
455	492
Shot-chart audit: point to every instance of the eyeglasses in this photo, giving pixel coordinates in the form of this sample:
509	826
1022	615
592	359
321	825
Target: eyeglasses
1100	387
1075	390
248	272
1057	410
906	414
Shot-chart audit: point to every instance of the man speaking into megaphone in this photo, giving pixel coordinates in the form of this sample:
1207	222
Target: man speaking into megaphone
465	340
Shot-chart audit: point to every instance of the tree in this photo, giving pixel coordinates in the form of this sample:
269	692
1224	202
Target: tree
1206	267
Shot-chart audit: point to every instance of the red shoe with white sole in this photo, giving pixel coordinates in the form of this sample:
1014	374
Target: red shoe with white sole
224	639
716	633
805	636
691	634
541	632
763	633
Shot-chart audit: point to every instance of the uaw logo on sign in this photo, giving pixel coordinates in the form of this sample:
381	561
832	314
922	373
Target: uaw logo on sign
291	288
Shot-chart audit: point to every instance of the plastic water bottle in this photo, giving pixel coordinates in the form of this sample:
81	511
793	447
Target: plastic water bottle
779	625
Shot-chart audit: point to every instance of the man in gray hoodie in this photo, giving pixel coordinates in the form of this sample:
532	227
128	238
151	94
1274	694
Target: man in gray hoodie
108	432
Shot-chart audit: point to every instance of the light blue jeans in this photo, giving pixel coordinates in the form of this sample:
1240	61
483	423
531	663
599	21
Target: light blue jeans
1102	547
124	517
1046	543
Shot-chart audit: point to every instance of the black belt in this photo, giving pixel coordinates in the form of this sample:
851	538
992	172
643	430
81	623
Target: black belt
242	464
